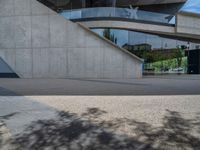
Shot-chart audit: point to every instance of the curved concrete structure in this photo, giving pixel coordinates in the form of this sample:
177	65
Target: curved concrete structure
144	4
160	6
190	33
148	2
139	20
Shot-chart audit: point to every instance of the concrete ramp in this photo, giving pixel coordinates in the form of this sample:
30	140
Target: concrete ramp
39	43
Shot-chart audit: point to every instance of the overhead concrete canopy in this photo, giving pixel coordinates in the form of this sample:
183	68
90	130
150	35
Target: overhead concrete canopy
73	4
119	2
147	2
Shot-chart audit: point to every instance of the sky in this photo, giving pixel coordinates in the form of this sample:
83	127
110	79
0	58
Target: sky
192	6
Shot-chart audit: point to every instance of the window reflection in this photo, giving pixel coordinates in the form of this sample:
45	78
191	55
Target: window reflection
159	53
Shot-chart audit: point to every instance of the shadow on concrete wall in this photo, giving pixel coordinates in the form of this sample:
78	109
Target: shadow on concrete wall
89	132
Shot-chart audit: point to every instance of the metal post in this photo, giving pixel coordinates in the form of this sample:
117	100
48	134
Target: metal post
188	49
83	3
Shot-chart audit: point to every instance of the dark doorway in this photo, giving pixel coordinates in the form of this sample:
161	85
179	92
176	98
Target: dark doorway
6	71
100	3
194	61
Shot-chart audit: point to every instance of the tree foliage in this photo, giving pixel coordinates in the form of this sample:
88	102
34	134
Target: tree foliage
178	52
110	36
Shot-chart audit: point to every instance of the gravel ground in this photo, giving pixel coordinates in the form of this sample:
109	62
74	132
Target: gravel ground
150	109
103	122
5	138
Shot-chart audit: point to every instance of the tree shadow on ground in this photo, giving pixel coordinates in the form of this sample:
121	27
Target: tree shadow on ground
8	116
89	132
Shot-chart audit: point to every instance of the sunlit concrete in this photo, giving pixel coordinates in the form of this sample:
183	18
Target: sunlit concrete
36	42
188	23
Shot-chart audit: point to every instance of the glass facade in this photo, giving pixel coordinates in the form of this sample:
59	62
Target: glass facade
159	53
156	42
82	9
121	13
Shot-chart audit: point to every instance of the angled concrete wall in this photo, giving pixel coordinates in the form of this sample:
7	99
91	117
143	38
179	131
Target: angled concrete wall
38	43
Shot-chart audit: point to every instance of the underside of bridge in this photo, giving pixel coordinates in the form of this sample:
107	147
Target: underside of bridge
164	6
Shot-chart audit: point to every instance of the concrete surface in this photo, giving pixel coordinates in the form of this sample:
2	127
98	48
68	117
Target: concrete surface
149	2
38	43
188	23
149	85
180	31
130	25
101	122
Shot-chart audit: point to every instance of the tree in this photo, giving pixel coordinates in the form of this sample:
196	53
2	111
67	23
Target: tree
179	56
108	35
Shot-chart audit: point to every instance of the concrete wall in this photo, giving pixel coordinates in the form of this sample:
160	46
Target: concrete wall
188	23
38	43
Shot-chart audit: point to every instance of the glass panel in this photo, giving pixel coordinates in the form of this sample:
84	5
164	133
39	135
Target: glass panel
160	54
129	13
155	41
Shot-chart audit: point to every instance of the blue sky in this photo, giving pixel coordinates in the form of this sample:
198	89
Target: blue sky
192	6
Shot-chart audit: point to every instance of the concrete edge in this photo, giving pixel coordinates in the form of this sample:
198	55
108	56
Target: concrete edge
109	42
157	2
121	19
187	13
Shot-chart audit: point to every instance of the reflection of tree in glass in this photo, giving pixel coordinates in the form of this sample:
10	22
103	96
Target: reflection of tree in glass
178	55
110	36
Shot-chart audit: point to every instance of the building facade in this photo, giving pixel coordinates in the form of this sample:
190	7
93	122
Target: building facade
53	38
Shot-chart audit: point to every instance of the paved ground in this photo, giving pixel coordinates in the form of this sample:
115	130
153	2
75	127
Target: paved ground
100	122
155	85
170	121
